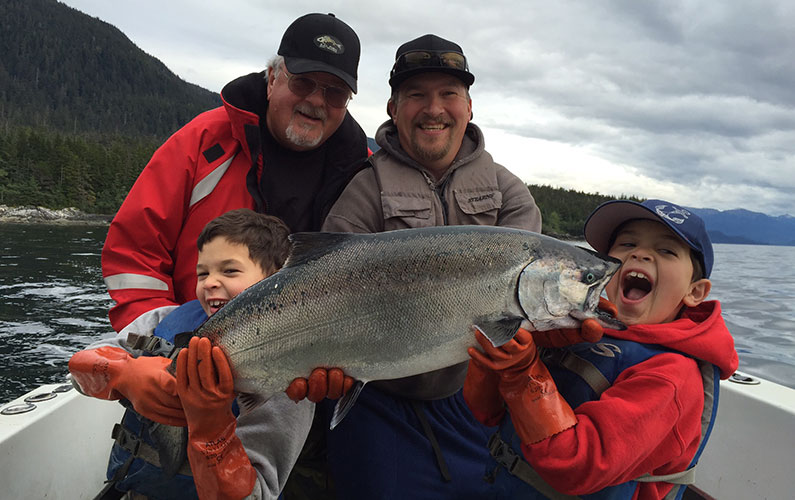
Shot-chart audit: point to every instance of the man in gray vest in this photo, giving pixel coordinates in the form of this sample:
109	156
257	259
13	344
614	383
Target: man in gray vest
432	169
415	437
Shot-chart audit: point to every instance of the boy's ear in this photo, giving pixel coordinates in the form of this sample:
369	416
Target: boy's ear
698	292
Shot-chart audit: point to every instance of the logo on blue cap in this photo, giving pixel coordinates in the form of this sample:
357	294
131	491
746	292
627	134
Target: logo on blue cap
672	213
601	225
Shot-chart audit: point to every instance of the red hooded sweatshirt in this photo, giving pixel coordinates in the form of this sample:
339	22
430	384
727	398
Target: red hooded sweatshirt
649	420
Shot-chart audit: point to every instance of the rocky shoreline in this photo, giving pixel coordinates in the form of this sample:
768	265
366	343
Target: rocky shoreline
43	215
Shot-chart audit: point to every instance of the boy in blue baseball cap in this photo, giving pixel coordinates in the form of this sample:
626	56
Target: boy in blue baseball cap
653	290
628	416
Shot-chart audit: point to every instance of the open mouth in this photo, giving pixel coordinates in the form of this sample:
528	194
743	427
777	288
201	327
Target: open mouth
635	285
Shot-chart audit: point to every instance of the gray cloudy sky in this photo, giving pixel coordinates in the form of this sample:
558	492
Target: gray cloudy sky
689	101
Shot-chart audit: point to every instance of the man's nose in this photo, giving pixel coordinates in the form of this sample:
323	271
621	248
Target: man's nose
317	98
434	106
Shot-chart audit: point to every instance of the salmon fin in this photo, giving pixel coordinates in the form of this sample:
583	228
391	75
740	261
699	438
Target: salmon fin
248	402
345	404
501	330
310	246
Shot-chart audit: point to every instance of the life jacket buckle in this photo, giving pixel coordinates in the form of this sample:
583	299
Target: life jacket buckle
502	452
150	345
126	439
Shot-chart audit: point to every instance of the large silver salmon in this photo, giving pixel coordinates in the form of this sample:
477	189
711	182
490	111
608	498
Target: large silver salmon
400	303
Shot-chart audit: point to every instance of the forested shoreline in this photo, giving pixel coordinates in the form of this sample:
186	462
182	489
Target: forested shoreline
93	173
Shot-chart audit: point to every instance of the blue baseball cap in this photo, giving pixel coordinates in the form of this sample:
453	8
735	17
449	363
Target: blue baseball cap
601	225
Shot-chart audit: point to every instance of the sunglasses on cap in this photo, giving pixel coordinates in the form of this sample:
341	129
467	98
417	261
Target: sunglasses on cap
302	86
429	58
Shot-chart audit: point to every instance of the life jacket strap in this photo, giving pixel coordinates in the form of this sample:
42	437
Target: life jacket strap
138	448
687	476
150	344
517	466
437	450
581	366
109	492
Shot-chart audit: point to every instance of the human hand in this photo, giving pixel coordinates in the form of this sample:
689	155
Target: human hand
516	354
538	411
590	330
322	383
221	468
482	394
205	387
112	373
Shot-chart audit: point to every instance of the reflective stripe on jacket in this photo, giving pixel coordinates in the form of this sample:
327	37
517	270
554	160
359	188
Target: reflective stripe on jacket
210	166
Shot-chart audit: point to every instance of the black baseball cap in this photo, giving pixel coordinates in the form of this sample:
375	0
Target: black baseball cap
321	42
429	53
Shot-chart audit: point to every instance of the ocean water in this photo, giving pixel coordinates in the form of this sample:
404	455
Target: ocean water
756	287
53	303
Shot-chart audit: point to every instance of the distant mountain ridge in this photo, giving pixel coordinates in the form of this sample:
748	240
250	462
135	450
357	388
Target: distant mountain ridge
71	77
63	70
745	226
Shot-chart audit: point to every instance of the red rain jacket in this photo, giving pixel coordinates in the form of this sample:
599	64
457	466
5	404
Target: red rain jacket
199	173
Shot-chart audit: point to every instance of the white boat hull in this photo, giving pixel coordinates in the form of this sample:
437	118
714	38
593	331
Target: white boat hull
60	449
752	448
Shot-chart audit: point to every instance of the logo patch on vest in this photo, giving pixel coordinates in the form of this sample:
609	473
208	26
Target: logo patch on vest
672	213
481	197
329	44
606	350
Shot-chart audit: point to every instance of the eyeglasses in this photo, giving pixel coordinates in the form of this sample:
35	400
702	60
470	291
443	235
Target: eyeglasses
429	58
302	86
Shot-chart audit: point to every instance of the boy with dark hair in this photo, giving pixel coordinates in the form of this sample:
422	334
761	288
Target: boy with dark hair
264	235
634	409
229	457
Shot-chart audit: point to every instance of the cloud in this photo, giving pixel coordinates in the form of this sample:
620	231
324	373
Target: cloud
689	100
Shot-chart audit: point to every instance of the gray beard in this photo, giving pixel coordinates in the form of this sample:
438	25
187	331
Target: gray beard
301	140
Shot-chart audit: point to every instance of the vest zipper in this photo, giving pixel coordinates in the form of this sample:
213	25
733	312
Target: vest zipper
439	191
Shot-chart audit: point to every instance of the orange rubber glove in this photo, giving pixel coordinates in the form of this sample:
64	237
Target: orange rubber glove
322	383
589	331
482	394
537	409
220	465
112	373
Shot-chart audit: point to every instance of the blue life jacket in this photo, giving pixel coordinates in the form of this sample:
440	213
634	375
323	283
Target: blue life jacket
131	472
582	372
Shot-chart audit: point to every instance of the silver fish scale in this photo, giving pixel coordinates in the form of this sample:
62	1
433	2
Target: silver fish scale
379	306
